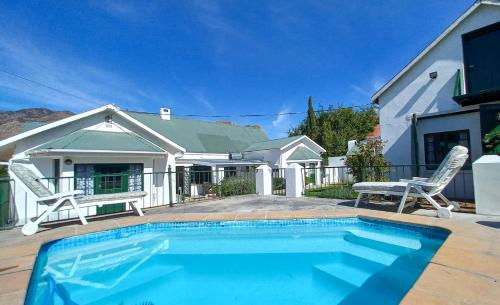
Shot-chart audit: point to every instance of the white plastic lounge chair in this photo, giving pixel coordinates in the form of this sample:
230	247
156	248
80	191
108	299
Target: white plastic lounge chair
421	187
66	200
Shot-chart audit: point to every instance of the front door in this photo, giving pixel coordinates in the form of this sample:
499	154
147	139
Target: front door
111	178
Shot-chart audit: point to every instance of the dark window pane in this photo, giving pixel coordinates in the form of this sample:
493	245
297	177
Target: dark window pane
437	145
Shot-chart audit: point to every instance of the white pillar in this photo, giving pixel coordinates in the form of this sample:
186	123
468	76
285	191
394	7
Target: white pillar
319	179
263	180
486	175
294	180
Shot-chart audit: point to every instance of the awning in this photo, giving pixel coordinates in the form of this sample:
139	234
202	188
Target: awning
220	163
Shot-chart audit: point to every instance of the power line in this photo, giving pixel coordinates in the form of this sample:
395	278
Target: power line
46	86
185	115
264	114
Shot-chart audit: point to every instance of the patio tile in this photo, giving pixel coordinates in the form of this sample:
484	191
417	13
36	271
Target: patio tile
13	282
458	286
469	260
280	215
251	216
221	216
16	297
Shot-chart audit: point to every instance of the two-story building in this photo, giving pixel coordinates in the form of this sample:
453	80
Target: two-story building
449	94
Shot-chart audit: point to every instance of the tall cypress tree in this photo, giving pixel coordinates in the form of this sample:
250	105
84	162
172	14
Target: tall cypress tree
311	124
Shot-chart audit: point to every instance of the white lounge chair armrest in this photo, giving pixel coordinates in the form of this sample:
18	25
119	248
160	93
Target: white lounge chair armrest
418	183
61	195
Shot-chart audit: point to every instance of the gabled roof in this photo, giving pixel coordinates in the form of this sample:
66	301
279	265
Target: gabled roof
109	108
303	154
434	43
93	140
202	136
283	143
272	144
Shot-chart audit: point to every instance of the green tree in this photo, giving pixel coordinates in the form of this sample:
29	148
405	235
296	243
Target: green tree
336	126
368	163
311	123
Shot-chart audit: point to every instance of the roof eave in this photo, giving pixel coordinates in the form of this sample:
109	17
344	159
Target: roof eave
83	151
427	49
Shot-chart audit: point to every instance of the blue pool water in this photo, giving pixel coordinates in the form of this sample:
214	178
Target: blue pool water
314	261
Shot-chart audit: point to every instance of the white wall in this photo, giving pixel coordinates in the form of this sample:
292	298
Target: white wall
415	92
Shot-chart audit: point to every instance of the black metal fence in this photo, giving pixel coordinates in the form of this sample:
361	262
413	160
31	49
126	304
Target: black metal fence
336	182
184	184
278	181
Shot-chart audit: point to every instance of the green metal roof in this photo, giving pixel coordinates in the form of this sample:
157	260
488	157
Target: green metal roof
32	125
302	153
100	140
202	136
272	144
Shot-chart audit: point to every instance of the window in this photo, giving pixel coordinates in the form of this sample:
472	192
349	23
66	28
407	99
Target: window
481	60
201	174
229	171
437	145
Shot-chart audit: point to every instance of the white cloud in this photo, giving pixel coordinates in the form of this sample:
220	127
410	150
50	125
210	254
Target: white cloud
200	97
282	120
360	90
132	10
56	79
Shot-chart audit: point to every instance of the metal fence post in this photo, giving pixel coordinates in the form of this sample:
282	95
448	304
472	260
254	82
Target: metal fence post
170	201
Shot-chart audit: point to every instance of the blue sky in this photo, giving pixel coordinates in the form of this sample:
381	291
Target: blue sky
211	57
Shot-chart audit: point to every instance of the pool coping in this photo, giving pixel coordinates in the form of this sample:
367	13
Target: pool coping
465	270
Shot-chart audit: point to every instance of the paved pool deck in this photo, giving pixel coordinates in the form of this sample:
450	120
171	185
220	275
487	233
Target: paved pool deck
465	270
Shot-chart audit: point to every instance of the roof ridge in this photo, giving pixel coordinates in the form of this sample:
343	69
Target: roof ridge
281	139
83	131
196	120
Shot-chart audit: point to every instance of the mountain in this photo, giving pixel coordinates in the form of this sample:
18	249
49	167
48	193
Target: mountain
12	122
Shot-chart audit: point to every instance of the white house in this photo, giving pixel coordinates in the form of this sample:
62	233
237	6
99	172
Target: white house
108	150
448	94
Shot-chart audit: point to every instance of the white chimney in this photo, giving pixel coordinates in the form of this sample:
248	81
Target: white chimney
165	114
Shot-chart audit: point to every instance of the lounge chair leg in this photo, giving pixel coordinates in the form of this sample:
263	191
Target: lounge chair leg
454	204
403	200
136	208
75	206
358	200
31	227
413	201
441	212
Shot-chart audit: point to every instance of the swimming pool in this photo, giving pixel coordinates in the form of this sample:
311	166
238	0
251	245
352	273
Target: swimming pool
308	261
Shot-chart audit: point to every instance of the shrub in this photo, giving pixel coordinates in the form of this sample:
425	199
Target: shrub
368	163
279	183
235	185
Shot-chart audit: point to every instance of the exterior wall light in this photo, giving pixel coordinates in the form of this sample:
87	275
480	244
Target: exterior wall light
68	161
433	75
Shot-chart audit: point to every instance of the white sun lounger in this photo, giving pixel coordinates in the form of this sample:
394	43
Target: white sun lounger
421	187
67	200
